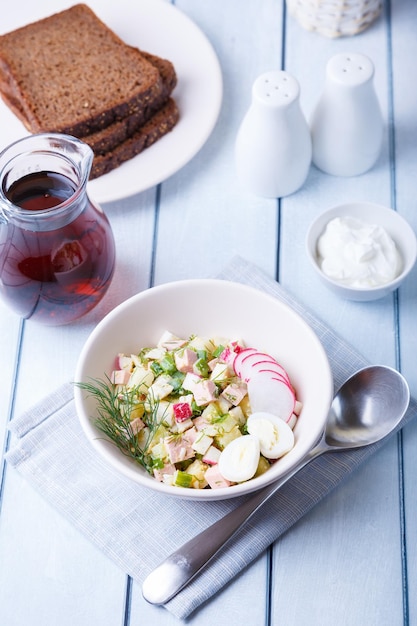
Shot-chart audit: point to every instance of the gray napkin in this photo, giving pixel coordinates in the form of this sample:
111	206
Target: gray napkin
137	528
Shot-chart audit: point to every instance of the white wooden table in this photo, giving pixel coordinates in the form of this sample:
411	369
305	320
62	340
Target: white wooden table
353	560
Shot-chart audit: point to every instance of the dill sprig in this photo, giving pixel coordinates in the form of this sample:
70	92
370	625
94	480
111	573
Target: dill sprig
113	418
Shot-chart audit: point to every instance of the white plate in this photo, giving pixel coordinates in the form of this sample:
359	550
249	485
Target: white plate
160	28
282	333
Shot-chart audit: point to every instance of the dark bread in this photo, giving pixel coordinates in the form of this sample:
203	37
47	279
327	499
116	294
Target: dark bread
108	138
160	124
49	86
62	84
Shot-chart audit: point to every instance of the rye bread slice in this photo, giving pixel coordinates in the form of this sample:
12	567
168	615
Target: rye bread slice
70	73
159	125
108	138
161	122
105	140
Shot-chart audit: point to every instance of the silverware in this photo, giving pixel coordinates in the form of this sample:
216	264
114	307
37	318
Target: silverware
368	406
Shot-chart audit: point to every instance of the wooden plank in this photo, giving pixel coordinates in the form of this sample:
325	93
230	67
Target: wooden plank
322	570
206	218
65	578
404	50
204	225
342	563
243	597
322	191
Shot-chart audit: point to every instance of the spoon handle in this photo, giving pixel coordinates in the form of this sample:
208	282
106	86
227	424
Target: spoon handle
175	572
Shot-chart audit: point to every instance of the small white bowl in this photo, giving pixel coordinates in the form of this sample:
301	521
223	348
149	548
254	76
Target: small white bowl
209	307
395	225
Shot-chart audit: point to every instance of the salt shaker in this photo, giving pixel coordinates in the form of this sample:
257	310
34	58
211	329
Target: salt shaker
273	145
346	125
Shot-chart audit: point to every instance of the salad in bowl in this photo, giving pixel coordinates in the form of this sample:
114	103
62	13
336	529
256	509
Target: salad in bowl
201	401
198	412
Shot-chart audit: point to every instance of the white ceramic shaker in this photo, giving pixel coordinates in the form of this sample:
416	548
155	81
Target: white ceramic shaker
347	126
273	144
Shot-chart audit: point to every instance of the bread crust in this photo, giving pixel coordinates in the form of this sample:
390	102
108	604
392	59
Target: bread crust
159	125
70	73
108	138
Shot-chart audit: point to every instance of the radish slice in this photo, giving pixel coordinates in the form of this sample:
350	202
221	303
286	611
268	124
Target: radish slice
275	436
239	357
269	386
239	460
249	359
271	369
271	395
269	363
246	368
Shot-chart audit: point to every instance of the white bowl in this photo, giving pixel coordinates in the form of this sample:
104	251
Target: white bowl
395	225
209	307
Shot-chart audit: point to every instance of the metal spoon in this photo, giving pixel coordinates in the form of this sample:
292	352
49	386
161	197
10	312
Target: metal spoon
368	406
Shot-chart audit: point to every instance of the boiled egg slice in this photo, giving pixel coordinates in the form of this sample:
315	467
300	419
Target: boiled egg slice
239	460
275	436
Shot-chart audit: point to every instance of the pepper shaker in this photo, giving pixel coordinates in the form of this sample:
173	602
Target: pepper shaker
347	125
273	145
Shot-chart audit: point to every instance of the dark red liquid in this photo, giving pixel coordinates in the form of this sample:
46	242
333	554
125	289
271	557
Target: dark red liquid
41	190
55	276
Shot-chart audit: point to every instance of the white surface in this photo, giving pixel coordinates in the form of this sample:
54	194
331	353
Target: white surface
282	333
358	548
162	29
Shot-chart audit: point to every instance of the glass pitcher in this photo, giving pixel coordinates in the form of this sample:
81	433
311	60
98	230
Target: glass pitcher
57	249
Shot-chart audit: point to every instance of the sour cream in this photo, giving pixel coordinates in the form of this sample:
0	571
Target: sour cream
358	254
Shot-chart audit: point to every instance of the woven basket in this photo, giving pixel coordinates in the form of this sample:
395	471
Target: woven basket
335	18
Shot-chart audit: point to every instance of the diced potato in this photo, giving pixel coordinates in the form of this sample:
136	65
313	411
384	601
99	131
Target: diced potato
197	469
219	424
220	373
263	466
137	411
160	433
238	415
164	413
142	437
169	341
159	451
160	389
223	405
202	443
211	413
125	362
155	354
211	430
141	378
245	406
201	343
181	427
224	439
227	424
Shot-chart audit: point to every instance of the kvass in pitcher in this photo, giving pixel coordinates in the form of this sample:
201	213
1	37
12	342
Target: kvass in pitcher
56	246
